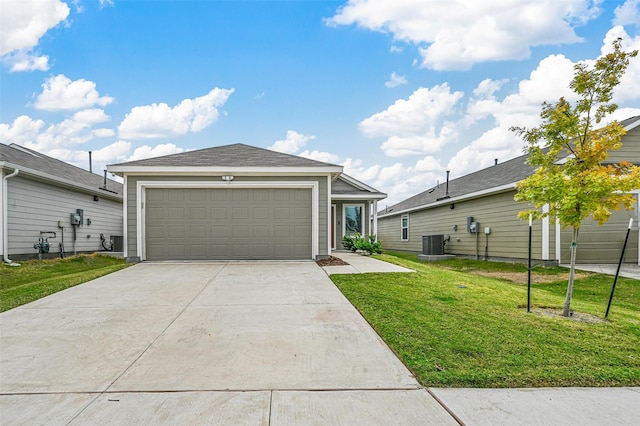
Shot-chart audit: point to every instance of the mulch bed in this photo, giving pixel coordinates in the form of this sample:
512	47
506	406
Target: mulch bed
331	261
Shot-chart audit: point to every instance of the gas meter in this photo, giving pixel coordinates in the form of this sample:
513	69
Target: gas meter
43	243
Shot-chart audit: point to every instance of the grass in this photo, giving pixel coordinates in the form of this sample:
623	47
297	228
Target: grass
33	280
458	329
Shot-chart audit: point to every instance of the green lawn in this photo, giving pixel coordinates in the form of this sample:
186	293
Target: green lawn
458	329
32	279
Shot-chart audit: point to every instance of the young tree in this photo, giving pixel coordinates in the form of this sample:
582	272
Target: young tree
568	152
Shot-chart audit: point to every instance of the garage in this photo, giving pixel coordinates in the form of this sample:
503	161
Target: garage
228	223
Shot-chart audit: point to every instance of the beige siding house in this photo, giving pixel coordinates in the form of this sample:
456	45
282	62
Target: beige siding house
239	202
39	194
486	198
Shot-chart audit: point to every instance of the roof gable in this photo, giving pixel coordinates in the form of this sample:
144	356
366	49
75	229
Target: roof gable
236	155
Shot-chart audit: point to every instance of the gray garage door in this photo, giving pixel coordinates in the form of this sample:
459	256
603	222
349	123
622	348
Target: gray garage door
233	223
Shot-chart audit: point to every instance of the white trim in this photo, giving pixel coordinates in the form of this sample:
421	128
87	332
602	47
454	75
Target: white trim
402	227
125	248
558	241
334	225
344	216
222	170
375	218
329	248
495	190
355	182
64	182
365	197
545	233
141	187
632	125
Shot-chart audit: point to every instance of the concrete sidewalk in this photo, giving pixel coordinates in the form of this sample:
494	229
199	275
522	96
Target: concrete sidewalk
259	343
359	264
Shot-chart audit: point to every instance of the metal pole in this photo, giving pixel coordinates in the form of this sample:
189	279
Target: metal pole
529	267
615	280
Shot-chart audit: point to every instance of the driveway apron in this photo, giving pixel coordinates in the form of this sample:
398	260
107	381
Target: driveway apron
217	343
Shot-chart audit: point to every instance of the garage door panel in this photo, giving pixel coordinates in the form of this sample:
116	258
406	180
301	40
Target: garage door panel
261	231
219	231
282	213
175	213
228	223
240	213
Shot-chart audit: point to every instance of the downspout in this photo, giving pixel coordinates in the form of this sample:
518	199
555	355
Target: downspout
5	219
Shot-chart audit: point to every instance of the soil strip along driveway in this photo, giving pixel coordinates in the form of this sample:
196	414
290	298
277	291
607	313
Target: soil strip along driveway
193	343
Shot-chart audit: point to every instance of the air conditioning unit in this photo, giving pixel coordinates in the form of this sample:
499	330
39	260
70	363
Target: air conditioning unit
433	245
118	243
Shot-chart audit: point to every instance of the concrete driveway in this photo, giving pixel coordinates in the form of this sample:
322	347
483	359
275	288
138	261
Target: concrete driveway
193	343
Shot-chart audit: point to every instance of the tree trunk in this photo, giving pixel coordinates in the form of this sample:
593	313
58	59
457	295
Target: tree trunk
572	272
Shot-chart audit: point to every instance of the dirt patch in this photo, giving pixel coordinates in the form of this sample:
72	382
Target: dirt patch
521	277
574	316
331	261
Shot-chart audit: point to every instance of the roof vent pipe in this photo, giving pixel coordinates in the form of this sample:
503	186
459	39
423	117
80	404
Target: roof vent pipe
90	165
105	179
496	160
446	191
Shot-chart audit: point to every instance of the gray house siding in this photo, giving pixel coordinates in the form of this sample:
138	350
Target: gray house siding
35	206
603	244
131	189
630	150
508	238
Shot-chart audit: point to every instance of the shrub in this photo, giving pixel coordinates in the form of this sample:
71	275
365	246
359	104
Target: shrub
367	244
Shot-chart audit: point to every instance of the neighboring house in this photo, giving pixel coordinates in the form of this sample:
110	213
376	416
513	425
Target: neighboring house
240	202
39	194
486	196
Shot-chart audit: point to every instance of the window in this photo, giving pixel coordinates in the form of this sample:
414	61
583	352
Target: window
404	227
353	219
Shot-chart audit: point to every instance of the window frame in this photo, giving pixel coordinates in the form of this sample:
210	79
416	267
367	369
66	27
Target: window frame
404	227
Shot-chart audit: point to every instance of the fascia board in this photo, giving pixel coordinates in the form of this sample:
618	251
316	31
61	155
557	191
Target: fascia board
478	194
632	125
62	182
246	171
374	196
357	183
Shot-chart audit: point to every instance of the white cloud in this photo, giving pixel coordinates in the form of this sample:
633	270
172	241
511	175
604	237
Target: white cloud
60	93
160	120
395	80
105	3
24	22
23	60
146	151
292	143
455	35
415	125
325	157
395	49
70	132
627	13
629	88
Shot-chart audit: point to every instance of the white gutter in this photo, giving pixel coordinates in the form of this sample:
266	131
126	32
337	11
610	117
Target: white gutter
5	219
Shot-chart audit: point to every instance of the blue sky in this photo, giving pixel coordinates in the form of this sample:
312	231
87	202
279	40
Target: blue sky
396	91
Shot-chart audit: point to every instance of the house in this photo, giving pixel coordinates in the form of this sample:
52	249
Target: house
240	202
444	214
39	196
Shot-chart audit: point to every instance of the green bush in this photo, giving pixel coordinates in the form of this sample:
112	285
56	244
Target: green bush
367	244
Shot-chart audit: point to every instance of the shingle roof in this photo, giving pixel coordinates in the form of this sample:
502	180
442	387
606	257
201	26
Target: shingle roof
30	159
236	155
495	176
509	172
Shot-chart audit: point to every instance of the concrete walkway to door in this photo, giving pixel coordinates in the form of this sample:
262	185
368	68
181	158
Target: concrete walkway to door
194	343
